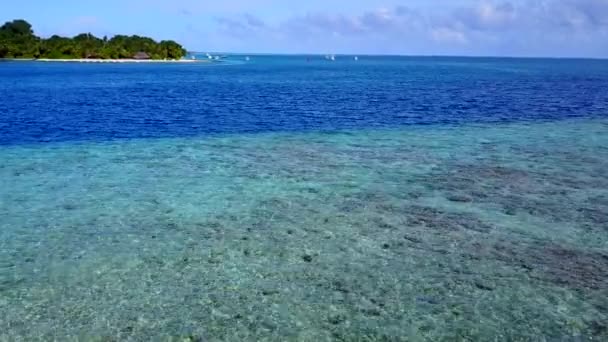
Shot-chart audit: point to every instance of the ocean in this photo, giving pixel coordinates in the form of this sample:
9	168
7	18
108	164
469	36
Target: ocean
293	198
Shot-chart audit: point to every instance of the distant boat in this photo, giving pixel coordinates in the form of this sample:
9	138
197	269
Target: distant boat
209	56
332	57
247	58
356	58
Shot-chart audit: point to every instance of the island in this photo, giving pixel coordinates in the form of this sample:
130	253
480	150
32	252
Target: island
18	41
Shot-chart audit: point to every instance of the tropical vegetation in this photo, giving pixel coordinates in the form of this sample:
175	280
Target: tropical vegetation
17	40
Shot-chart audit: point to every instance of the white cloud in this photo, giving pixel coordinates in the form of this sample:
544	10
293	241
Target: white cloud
448	35
483	27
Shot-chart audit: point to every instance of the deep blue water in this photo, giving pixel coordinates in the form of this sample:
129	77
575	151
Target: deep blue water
480	215
45	102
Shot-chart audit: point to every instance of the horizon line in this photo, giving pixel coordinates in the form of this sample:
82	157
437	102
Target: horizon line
391	55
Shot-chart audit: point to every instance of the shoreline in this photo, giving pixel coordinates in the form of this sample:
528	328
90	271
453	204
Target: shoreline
98	60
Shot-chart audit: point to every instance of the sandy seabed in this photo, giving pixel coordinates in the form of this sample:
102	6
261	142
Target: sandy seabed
489	233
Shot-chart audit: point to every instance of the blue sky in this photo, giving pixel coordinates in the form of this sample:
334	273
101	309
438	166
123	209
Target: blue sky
557	28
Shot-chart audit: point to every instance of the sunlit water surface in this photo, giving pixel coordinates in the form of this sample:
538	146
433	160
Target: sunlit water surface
461	229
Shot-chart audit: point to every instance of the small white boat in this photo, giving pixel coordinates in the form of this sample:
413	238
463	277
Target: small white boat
333	58
356	58
247	58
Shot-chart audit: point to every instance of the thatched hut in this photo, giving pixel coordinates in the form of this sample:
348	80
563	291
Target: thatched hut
141	55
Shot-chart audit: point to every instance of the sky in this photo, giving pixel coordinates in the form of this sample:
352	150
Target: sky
548	28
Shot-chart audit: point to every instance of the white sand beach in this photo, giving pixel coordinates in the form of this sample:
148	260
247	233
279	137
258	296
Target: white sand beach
98	60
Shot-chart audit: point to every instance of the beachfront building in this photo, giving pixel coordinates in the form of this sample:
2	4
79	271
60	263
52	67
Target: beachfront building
141	55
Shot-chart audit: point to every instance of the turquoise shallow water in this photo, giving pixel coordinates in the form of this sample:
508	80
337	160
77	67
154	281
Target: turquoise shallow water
471	232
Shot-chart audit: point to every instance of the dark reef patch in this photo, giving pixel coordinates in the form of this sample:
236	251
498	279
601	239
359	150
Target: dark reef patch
557	264
536	193
442	220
